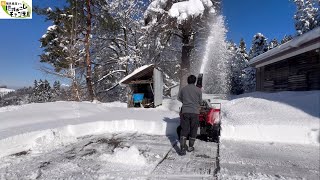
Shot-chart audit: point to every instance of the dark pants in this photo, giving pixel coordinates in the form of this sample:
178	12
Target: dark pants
189	125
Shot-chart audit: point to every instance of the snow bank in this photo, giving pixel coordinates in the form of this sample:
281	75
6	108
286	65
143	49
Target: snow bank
286	117
40	127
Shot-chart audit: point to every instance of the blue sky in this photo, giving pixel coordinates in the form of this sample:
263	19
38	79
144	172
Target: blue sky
245	18
20	46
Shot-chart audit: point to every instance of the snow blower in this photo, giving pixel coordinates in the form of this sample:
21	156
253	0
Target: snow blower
209	118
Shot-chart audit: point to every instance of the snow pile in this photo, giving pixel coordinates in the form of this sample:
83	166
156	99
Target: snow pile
182	10
179	10
192	8
170	105
286	117
126	156
4	91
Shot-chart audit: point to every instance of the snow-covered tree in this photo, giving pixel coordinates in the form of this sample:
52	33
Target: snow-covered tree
259	46
121	45
249	79
63	48
238	63
84	28
286	38
317	2
56	90
167	18
41	92
306	16
273	43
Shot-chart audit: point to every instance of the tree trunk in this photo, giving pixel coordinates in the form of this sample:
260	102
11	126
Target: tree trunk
126	49
185	56
87	45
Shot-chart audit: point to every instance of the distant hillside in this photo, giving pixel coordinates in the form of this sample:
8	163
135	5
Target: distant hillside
4	91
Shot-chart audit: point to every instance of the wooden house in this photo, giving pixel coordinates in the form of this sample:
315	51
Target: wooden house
292	66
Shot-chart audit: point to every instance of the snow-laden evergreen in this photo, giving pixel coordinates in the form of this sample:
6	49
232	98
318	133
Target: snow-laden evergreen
259	46
42	91
238	65
306	16
286	38
273	43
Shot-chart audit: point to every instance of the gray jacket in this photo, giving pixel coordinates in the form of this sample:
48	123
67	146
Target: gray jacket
191	97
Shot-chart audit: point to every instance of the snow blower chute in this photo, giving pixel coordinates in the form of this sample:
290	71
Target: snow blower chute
209	118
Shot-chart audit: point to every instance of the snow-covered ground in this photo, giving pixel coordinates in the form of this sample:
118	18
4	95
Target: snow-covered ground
263	161
264	136
4	91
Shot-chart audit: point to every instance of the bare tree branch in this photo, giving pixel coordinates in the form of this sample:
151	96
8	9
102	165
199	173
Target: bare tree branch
109	74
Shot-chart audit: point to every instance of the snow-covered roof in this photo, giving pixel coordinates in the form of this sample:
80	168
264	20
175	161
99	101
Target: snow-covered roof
301	44
136	73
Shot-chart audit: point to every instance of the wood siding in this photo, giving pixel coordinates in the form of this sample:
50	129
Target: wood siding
301	72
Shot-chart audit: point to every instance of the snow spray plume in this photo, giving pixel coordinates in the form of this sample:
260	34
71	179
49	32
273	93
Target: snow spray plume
215	59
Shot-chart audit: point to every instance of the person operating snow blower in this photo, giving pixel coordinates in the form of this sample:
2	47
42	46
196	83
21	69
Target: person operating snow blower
191	97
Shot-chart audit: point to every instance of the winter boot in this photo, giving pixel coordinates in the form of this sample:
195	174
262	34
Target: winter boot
183	146
191	144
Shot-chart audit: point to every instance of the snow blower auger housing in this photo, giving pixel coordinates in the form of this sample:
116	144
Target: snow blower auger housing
209	118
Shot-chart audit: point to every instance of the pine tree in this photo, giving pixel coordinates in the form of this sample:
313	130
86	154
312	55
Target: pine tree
273	43
317	5
238	62
286	38
56	91
235	70
244	63
259	45
306	16
41	92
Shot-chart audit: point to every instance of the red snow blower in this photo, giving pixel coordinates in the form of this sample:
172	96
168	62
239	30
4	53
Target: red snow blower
209	118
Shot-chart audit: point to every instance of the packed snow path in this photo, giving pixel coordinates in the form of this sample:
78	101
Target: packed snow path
112	156
200	164
260	160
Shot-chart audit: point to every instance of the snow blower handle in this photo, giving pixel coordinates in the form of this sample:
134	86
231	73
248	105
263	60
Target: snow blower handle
199	81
